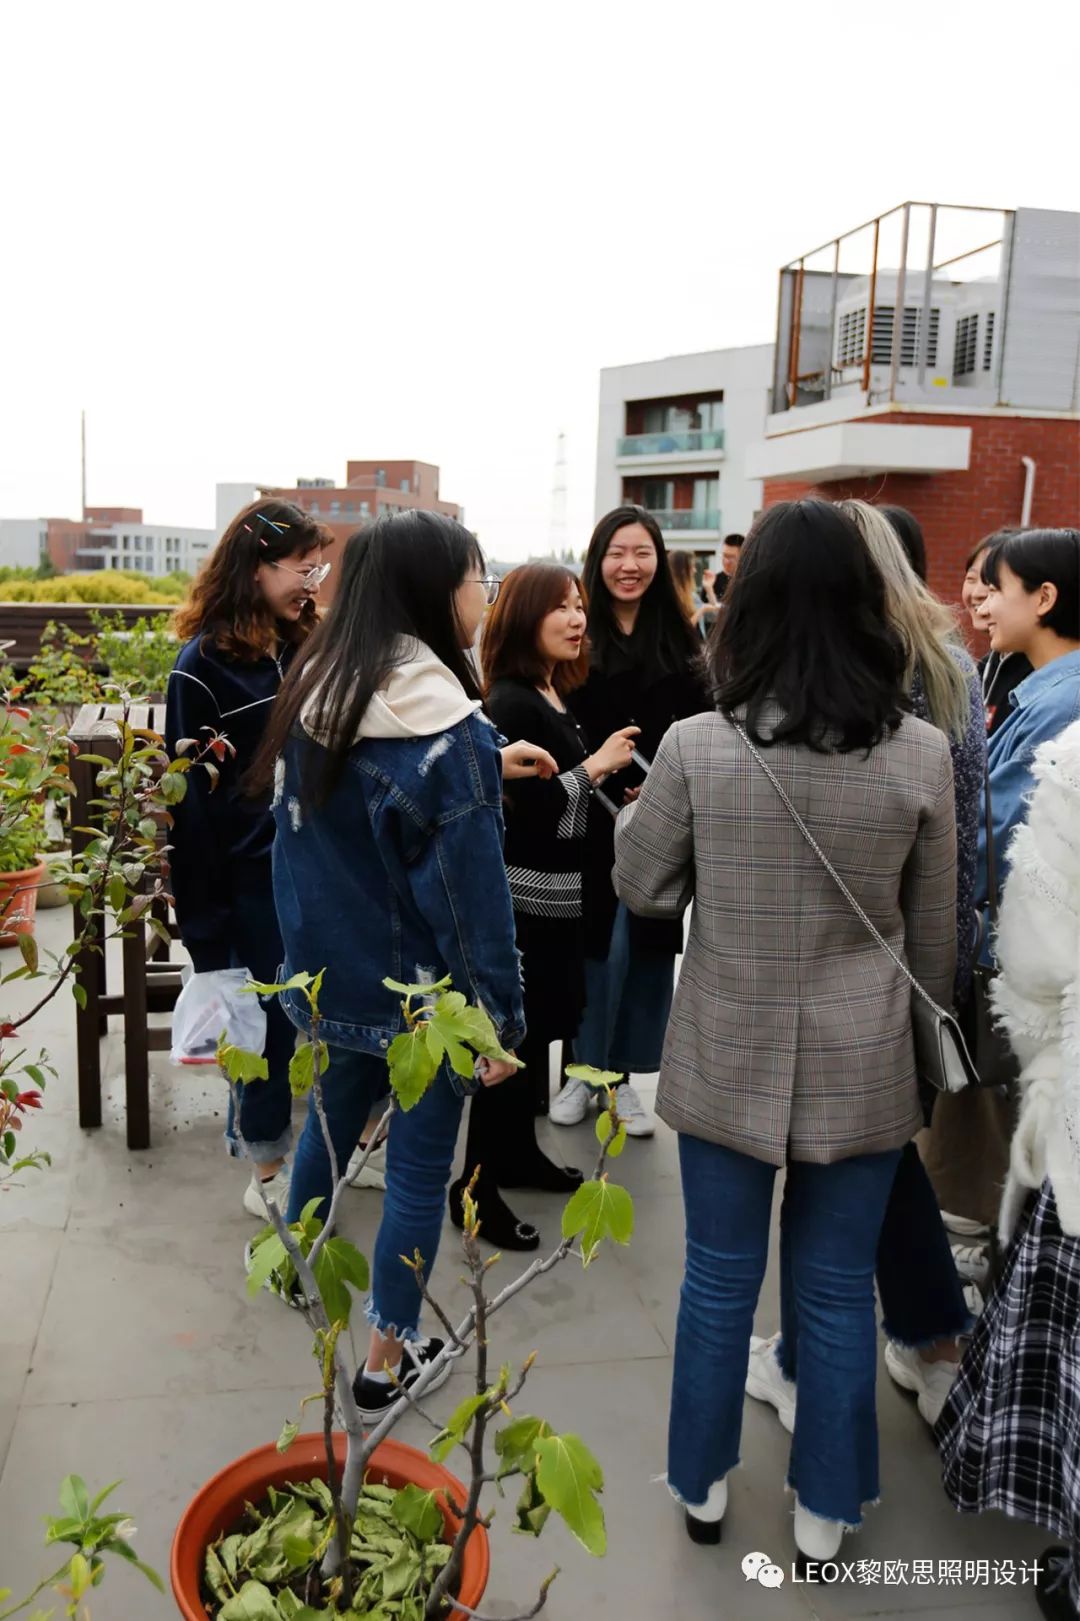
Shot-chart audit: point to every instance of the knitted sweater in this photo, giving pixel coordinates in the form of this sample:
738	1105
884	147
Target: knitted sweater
1037	994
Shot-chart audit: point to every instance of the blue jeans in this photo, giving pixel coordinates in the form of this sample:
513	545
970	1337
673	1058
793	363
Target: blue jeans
922	1298
830	1220
627	1003
255	943
419	1156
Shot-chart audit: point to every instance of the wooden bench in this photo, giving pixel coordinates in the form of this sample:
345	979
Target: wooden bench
151	980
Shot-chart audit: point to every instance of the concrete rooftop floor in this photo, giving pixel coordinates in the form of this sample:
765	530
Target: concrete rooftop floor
130	1349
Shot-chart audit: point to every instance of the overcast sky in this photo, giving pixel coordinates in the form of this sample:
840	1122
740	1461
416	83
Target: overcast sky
255	239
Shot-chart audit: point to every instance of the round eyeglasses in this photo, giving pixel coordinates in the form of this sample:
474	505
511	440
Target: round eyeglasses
312	577
492	586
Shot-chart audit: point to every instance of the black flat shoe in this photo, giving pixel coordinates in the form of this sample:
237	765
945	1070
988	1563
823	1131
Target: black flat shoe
498	1224
703	1531
543	1175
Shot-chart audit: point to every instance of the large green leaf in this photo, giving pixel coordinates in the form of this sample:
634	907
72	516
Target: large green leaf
266	1258
254	1602
412	1068
442	1043
241	1066
598	1210
298	982
416	990
593	1077
568	1477
302	1068
338	1264
516	1442
418	1512
74	1497
456	1426
532	1510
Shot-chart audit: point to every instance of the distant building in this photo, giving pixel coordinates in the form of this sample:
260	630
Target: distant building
673	438
371	489
106	538
966	410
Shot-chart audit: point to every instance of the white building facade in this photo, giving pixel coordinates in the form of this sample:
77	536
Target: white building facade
673	438
145	548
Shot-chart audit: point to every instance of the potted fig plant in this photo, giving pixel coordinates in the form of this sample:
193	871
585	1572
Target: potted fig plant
339	1525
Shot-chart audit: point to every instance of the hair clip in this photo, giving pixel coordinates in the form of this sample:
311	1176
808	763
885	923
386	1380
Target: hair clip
279	527
247	528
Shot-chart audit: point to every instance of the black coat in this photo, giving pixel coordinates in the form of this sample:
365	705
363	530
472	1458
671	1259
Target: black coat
629	693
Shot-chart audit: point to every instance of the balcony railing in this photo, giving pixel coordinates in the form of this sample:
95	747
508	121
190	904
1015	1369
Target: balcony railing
671	444
706	520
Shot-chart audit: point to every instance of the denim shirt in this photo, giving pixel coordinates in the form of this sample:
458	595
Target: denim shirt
398	875
1041	708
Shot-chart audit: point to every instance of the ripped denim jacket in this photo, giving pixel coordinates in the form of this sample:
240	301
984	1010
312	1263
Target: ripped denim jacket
398	875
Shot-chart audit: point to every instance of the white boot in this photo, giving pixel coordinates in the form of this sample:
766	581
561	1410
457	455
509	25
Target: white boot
703	1520
816	1540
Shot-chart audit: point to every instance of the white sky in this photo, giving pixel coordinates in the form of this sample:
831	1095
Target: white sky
255	239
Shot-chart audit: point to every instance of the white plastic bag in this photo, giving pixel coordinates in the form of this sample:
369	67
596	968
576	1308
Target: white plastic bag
210	1006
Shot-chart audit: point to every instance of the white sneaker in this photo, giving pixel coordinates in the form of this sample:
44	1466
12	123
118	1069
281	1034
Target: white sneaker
766	1381
973	1298
633	1113
277	1188
373	1174
964	1227
930	1381
972	1262
570	1105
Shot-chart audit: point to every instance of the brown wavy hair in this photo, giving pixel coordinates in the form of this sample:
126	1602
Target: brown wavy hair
508	645
224	605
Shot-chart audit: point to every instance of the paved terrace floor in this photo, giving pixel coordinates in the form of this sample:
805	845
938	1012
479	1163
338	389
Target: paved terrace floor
129	1348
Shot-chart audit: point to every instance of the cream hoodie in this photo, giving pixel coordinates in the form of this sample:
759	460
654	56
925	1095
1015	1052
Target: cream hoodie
421	698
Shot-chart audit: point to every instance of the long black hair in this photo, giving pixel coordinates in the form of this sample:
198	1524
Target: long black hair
661	631
398	581
1038	557
909	532
804	627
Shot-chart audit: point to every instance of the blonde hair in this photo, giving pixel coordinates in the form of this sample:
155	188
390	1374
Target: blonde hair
932	643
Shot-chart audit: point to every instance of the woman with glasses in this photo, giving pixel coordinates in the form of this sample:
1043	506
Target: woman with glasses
249	610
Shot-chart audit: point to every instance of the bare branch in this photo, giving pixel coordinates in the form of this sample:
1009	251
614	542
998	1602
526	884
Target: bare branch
525	1615
339	1182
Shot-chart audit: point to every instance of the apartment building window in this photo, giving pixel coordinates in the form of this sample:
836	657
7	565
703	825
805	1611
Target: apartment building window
657	494
967	333
406	488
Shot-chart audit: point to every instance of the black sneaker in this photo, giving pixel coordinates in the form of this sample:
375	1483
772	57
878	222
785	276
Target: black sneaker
1052	1587
375	1397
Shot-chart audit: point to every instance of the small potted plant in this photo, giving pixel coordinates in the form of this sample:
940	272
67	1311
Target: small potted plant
343	1525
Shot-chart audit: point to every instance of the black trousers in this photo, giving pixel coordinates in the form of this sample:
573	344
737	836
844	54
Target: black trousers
501	1134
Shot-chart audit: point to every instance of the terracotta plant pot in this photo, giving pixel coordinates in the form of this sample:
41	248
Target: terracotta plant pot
19	893
219	1505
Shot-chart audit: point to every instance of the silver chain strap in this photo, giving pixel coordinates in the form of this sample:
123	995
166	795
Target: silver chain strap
831	870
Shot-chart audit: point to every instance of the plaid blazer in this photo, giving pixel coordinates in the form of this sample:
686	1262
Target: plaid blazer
790	1033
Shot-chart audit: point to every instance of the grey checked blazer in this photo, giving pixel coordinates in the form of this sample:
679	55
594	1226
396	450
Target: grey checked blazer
790	1033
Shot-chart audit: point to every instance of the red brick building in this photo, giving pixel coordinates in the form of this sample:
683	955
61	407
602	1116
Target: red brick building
966	411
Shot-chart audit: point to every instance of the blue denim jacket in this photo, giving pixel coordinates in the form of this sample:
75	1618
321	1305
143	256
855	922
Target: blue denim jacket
398	875
1041	708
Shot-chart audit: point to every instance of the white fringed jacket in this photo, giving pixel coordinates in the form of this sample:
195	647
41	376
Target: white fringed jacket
1037	995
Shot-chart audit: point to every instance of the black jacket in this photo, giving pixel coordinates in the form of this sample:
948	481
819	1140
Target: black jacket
628	692
218	833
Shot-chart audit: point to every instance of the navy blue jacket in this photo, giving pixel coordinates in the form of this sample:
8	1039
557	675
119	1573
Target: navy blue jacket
220	836
399	874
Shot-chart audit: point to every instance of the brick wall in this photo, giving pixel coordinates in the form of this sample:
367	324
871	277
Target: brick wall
956	509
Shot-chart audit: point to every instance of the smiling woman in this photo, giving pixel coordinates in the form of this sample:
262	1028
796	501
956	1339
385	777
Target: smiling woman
250	608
